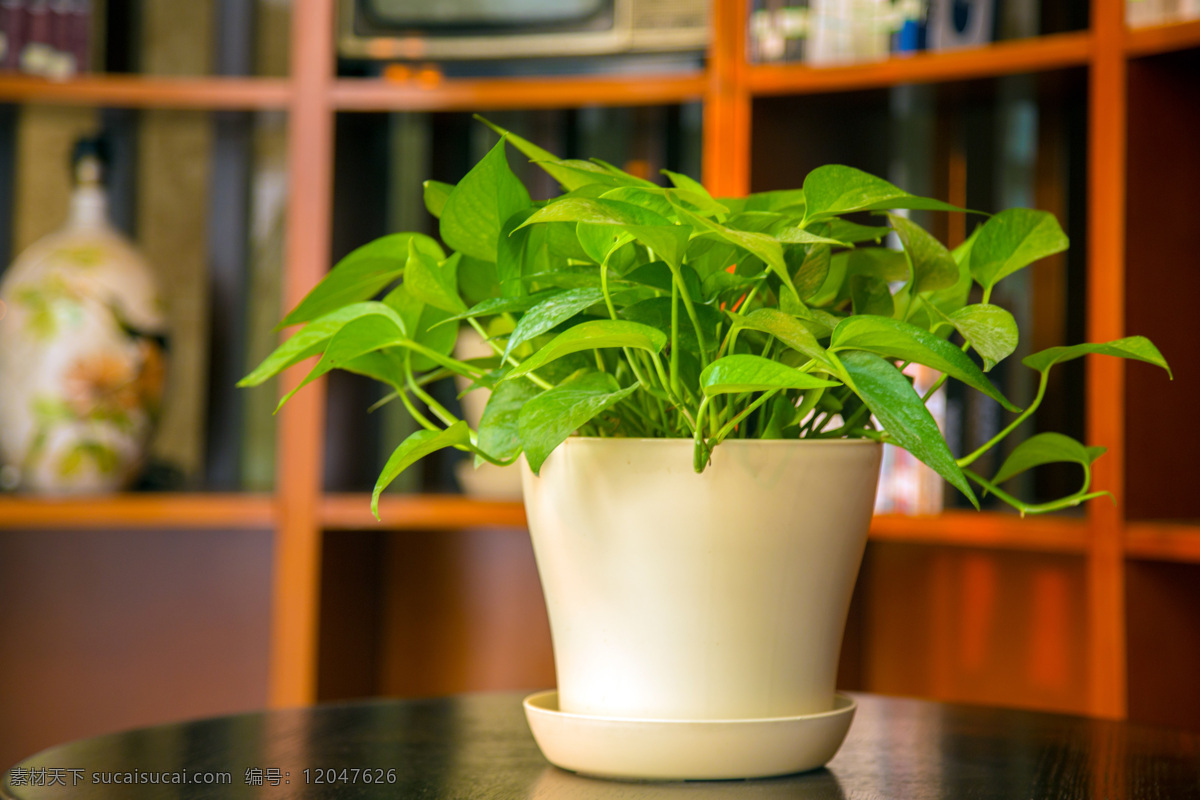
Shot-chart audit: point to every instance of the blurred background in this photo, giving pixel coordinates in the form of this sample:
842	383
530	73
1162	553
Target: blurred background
237	148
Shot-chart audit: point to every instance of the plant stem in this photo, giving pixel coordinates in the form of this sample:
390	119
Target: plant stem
674	338
498	351
1024	415
764	397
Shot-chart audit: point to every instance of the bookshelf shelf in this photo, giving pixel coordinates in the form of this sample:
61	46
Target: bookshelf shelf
436	94
1163	541
352	511
128	91
1162	38
1005	58
196	511
986	530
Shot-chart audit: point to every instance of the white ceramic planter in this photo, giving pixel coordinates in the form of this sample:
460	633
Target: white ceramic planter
715	596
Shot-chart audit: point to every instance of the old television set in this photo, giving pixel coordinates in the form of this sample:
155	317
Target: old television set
456	30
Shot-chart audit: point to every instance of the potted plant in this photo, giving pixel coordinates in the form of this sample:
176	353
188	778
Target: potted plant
698	390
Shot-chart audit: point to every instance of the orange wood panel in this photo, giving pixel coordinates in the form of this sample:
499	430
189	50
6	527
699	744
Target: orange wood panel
504	93
418	512
133	91
1163	541
998	531
1163	38
1004	58
1106	376
297	551
726	158
139	511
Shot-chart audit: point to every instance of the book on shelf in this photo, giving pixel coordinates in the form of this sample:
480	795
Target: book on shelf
48	38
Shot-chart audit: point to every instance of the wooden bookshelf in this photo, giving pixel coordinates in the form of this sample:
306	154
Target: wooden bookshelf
1044	53
1162	38
164	511
131	91
431	92
299	512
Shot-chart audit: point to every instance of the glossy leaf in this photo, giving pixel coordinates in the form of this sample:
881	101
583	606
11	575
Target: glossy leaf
1011	240
1138	348
357	337
787	329
989	329
498	434
870	295
897	406
423	324
433	283
1046	448
311	339
835	189
893	338
555	309
656	312
435	195
569	180
413	449
666	239
932	265
759	245
361	275
749	373
480	205
590	335
548	419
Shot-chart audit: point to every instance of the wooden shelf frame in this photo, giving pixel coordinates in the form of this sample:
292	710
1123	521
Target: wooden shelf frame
134	91
299	512
1059	51
149	510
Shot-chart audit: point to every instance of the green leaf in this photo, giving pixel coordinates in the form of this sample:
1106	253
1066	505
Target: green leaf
834	189
435	195
594	334
423	324
990	329
568	179
414	448
1046	448
852	232
1011	240
933	267
480	204
548	419
811	274
310	340
759	245
498	434
361	275
870	295
897	406
653	230
434	283
778	200
1138	348
656	312
503	305
892	338
787	329
357	337
749	373
550	312
519	252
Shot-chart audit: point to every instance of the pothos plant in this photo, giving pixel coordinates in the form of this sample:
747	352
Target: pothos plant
622	308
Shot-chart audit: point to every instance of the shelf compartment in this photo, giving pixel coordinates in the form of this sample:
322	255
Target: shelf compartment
352	511
128	91
983	529
489	94
236	511
1162	38
1038	54
1163	541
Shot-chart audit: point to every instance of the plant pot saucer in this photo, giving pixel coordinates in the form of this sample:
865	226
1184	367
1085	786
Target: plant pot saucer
611	747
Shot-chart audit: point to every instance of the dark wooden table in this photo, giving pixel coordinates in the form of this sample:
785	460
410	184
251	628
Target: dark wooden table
478	746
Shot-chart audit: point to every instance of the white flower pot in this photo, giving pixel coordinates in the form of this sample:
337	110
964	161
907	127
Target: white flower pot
715	596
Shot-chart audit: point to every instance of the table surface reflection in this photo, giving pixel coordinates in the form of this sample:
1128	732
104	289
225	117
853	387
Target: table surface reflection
478	746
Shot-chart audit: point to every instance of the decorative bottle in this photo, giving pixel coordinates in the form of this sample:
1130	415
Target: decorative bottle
82	350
